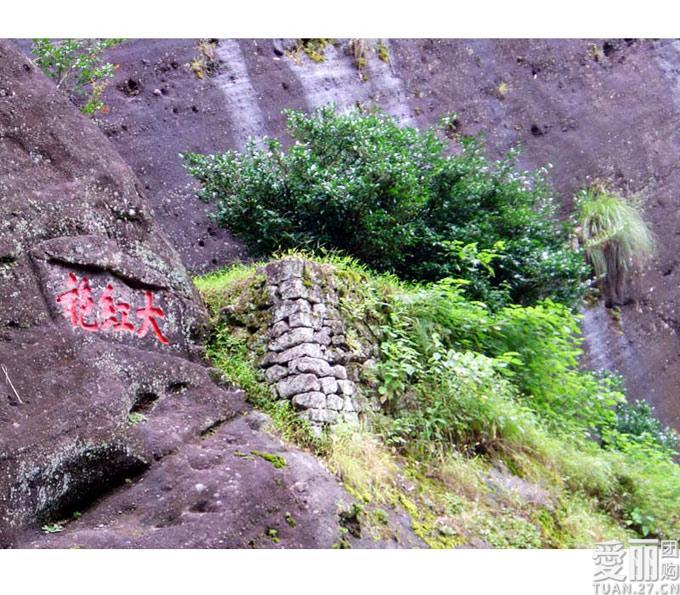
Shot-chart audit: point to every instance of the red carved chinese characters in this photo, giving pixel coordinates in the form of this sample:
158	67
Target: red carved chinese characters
111	311
148	314
78	302
113	315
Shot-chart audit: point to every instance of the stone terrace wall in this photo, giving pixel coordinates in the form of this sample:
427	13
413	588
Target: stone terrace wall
308	358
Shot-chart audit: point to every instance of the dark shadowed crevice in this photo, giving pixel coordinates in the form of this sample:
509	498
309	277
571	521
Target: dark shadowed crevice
177	387
79	480
212	428
144	401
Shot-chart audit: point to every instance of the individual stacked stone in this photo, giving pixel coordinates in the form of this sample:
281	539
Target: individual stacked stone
307	354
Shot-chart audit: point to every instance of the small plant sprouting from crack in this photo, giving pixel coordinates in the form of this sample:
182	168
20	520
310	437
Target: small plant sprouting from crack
359	48
350	520
595	52
342	543
205	63
383	51
290	520
52	528
135	418
313	48
617	240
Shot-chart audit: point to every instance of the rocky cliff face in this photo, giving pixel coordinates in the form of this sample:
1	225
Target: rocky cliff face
105	406
607	109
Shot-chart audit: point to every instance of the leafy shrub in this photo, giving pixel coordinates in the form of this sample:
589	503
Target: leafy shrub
536	347
544	343
397	200
77	68
650	492
508	384
462	400
636	422
615	237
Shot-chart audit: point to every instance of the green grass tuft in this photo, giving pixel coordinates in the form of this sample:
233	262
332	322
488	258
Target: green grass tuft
616	239
277	461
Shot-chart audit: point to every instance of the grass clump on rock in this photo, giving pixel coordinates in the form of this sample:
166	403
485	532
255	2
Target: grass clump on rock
277	461
616	239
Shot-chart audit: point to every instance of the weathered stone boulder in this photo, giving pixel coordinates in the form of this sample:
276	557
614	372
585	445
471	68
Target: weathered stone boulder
81	266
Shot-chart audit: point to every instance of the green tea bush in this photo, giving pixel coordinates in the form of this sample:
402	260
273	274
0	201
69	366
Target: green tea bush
398	200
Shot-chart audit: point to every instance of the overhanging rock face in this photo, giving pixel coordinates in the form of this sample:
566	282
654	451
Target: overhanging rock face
99	320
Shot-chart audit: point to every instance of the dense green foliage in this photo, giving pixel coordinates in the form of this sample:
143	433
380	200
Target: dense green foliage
77	67
507	384
472	310
636	423
396	199
528	354
616	239
466	388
